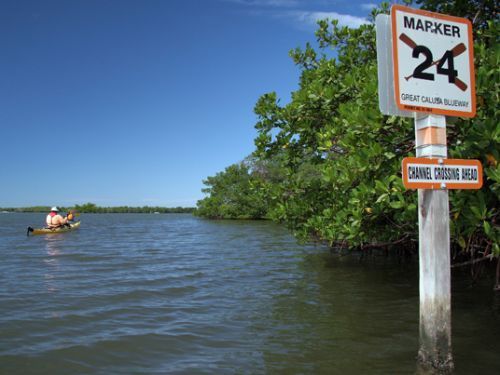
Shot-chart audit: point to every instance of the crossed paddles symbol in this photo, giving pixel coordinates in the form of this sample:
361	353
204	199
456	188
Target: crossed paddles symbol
456	51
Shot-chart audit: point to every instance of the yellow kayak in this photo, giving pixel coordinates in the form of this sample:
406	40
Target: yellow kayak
62	229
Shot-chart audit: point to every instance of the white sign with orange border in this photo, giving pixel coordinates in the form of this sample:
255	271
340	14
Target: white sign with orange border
433	62
425	173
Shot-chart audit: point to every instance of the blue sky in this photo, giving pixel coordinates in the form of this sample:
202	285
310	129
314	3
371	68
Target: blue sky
121	102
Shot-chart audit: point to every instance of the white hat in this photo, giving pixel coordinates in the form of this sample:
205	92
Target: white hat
54	209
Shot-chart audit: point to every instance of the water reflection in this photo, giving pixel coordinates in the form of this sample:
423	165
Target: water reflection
53	248
53	245
337	317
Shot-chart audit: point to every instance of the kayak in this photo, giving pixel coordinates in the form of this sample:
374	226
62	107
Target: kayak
62	229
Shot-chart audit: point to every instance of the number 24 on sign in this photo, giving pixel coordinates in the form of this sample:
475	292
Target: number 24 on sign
447	58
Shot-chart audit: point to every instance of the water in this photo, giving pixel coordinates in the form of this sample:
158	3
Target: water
176	294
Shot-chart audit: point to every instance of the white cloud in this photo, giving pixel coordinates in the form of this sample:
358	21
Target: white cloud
269	3
344	19
368	6
297	11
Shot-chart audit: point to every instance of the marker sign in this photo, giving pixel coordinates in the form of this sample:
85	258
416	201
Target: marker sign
433	62
425	173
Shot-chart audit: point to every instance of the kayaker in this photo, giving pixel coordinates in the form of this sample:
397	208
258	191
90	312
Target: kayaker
54	220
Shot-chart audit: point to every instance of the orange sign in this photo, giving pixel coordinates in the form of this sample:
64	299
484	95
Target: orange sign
426	173
433	62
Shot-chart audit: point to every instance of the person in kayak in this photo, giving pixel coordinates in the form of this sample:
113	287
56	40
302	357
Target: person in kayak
54	220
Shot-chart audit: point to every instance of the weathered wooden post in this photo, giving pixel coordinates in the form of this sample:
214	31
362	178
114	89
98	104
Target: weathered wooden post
435	293
426	71
434	252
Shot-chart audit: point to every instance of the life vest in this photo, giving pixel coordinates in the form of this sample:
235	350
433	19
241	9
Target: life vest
49	218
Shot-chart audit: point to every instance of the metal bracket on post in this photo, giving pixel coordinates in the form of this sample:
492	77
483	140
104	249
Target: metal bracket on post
430	135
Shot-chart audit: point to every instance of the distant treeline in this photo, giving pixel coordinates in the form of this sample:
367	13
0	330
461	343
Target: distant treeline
92	208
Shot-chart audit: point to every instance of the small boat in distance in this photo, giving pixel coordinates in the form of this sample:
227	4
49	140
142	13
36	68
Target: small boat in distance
63	229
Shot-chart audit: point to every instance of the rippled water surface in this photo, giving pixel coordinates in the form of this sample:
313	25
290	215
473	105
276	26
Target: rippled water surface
177	294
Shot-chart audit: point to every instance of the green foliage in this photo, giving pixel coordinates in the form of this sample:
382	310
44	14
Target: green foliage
342	155
339	159
26	209
92	208
235	193
87	207
479	12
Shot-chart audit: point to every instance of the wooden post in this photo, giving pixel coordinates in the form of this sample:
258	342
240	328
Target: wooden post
434	253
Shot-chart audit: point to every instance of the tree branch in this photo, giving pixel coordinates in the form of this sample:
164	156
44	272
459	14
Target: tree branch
473	261
386	244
